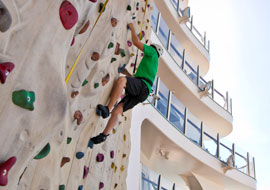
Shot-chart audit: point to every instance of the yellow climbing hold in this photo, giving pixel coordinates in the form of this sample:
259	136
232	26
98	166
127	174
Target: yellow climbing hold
115	169
122	168
112	165
113	131
124	137
132	54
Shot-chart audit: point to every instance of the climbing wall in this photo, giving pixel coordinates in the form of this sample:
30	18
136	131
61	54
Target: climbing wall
57	62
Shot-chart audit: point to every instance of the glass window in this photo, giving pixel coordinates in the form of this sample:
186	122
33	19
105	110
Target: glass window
225	150
191	72
193	128
163	33
162	104
174	2
210	140
241	160
177	114
176	50
154	17
149	179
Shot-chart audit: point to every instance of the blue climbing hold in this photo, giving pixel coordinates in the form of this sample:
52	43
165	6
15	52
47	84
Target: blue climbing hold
79	155
80	187
120	69
90	144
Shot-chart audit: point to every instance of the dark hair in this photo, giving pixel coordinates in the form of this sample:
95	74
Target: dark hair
155	49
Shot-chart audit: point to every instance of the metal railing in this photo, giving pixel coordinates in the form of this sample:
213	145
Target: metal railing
201	38
175	112
182	59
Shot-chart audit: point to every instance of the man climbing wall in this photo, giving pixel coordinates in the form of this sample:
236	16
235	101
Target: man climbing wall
137	88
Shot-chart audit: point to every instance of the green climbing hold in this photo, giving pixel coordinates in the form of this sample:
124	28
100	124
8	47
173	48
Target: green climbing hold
113	59
96	85
110	45
84	82
100	7
24	99
123	53
69	139
44	152
129	8
62	187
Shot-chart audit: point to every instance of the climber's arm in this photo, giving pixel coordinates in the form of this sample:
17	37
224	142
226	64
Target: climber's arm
135	39
125	72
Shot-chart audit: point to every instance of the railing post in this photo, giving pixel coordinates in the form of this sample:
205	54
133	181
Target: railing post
158	22
191	23
233	153
201	140
178	6
218	146
159	182
204	40
156	93
248	166
173	188
254	168
227	101
185	121
183	60
231	105
169	105
213	89
169	40
198	75
208	46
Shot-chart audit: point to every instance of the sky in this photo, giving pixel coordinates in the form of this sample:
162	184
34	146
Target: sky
239	34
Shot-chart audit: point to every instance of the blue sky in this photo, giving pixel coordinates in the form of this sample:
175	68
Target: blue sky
239	41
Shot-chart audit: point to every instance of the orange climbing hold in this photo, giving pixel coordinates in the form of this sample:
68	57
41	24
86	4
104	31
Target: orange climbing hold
95	56
84	28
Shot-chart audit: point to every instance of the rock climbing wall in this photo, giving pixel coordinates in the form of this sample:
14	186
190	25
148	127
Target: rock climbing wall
47	112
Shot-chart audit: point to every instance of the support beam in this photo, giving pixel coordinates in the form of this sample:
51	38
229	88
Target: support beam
233	153
159	182
158	22
201	139
248	164
183	60
185	121
218	146
169	40
169	105
198	75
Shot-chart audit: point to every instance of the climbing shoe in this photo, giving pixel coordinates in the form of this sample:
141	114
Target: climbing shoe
102	111
99	139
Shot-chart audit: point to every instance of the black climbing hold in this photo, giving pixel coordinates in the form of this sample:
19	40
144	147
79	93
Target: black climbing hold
62	187
44	152
100	7
113	59
129	8
5	18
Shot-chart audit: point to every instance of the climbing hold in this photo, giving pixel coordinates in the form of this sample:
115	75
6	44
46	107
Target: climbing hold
84	28
123	53
113	131
73	41
141	36
4	169
105	79
100	157
80	187
122	168
113	59
125	118
121	69
95	56
85	172
112	165
5	18
69	139
124	137
90	144
5	68
101	185
93	1
110	45
146	41
68	15
24	99
112	154
84	82
117	49
132	54
115	169
115	185
113	22
64	161
129	8
142	54
96	85
129	43
79	155
62	187
44	152
78	116
137	4
132	64
133	18
139	22
146	27
124	155
137	8
100	7
74	94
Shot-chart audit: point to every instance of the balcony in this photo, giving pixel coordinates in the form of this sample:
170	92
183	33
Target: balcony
192	40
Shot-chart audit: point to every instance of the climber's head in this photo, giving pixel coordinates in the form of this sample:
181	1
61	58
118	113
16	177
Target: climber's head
158	48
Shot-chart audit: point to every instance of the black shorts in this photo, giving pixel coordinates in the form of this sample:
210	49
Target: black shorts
136	92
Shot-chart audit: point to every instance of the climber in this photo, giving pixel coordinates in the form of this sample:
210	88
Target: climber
137	88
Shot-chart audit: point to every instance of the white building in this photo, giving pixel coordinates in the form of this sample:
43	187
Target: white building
179	141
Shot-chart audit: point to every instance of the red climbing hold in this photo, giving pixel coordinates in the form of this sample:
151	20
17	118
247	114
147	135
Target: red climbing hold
129	43
93	1
112	154
100	157
4	169
68	15
5	69
101	185
95	56
74	94
72	42
85	172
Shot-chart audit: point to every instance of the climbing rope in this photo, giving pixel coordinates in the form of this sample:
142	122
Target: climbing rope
80	53
134	69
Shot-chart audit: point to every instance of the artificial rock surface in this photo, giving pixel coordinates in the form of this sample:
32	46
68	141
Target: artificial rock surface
43	39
